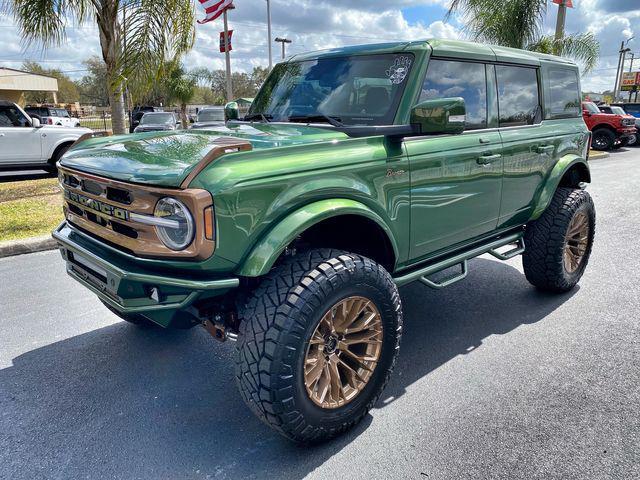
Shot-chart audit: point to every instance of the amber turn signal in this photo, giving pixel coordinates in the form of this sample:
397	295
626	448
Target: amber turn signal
209	232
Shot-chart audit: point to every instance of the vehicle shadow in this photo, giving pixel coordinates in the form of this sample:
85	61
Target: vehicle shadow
16	176
122	402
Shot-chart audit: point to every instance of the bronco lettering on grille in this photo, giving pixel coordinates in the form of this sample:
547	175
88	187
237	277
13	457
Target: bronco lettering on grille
97	205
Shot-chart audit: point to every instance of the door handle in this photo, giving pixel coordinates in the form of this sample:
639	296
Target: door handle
484	140
1	134
545	149
488	158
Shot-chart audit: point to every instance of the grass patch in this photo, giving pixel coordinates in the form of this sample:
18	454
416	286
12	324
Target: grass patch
29	208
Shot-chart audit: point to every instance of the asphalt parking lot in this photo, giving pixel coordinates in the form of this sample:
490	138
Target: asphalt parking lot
494	379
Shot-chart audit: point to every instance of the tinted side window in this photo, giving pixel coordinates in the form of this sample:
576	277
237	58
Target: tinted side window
448	78
518	99
564	94
12	117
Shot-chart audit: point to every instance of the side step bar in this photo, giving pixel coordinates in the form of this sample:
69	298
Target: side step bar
462	259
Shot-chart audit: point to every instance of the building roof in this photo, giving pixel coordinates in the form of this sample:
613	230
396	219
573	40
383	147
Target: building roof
18	80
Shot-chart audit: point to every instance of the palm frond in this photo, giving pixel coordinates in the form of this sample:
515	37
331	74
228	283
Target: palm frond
45	21
581	47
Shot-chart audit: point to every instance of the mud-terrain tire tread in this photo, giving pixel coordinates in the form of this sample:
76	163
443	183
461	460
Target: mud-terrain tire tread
291	290
542	259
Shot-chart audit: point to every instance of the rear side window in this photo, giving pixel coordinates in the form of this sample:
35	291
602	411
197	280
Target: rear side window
518	97
564	94
449	78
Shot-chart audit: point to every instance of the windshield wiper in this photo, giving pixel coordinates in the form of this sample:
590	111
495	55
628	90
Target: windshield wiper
261	116
335	121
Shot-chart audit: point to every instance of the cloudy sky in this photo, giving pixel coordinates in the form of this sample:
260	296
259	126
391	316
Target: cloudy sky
317	24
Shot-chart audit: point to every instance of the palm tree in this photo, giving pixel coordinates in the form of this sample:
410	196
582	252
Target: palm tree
154	31
181	88
519	24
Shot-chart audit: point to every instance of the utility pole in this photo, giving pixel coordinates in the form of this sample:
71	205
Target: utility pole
283	41
621	60
269	34
227	57
633	55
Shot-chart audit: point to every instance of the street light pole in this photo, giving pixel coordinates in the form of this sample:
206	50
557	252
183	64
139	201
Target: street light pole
283	41
269	34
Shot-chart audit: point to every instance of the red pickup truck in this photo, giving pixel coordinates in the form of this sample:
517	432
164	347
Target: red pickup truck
609	131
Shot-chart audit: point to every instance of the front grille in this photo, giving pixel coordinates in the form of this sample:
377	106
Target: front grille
104	207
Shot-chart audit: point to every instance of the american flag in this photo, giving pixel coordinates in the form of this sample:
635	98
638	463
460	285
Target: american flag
214	8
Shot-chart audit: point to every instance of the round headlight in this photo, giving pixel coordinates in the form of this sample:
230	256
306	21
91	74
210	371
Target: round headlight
177	234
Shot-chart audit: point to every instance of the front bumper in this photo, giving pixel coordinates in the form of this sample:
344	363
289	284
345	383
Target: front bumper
127	287
626	131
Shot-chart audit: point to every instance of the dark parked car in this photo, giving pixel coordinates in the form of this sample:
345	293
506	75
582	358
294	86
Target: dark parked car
209	117
137	114
155	121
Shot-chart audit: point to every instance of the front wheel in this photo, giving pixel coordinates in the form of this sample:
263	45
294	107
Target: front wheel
603	139
558	244
318	340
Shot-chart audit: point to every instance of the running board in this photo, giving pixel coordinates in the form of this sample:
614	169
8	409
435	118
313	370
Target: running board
462	259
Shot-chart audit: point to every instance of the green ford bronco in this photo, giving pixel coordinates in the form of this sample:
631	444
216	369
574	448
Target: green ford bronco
357	170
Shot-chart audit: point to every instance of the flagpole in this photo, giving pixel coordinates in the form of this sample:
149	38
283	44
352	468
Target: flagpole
227	57
269	34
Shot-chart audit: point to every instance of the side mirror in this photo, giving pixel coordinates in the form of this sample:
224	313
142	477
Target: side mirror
35	123
231	111
586	112
440	116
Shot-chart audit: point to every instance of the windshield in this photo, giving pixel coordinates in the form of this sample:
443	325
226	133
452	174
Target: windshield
213	115
590	107
156	118
359	90
618	111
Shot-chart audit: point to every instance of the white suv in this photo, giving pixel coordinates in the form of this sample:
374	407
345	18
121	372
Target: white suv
52	116
25	143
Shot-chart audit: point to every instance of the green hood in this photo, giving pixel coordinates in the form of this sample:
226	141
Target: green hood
167	158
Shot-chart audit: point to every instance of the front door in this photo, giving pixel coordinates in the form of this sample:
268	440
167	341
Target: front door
20	143
456	180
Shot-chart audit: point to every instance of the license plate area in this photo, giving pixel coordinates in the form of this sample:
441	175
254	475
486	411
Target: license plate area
91	273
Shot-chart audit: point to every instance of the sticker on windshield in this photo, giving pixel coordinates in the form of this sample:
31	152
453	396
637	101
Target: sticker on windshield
399	70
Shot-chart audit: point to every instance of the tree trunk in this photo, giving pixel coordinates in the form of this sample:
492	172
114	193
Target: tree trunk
118	122
109	28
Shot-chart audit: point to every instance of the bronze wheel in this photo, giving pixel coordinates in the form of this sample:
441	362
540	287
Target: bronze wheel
559	243
576	241
343	352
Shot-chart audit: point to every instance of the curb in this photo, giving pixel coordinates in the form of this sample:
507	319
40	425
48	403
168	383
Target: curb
10	248
596	155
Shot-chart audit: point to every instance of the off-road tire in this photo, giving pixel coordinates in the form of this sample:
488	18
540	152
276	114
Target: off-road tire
133	318
51	165
278	319
607	137
544	241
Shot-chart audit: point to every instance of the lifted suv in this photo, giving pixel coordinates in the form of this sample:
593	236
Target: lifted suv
610	130
356	171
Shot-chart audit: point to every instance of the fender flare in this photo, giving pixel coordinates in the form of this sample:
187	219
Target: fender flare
553	181
265	253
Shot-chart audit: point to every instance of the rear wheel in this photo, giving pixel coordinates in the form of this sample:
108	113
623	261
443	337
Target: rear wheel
318	340
558	244
603	139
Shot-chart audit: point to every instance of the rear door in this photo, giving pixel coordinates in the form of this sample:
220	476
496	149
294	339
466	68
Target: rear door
528	146
455	179
19	141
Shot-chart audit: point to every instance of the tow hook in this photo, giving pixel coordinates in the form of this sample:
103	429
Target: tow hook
219	328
